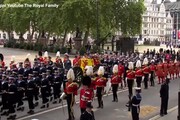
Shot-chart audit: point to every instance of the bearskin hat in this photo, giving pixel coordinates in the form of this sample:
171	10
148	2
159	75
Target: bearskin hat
58	54
86	80
138	64
46	54
131	65
89	70
115	69
70	74
145	61
100	70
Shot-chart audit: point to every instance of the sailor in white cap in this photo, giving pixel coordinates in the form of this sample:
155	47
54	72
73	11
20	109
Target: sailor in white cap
135	104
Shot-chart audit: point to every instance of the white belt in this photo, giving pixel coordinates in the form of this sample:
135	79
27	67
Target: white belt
137	106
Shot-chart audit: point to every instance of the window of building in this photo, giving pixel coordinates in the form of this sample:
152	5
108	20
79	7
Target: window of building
145	31
145	25
4	36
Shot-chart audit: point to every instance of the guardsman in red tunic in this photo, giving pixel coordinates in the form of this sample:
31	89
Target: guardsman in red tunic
130	78
115	80
171	69
165	68
86	93
121	71
58	58
160	72
152	72
96	60
146	71
138	73
70	91
100	84
176	68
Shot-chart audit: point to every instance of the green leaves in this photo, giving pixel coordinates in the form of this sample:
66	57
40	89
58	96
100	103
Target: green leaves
114	15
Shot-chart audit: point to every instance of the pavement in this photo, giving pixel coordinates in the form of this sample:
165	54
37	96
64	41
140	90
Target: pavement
172	115
112	111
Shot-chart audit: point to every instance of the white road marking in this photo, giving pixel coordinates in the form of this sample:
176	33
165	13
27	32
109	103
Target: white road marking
53	109
169	111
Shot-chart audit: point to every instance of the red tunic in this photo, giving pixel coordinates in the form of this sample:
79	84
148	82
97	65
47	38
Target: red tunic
86	95
101	82
115	79
75	61
146	70
139	72
41	59
160	72
96	61
172	68
152	68
121	70
2	64
165	68
130	75
58	60
177	67
71	88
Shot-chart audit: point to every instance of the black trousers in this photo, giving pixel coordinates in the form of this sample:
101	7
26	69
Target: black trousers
4	101
30	96
99	96
146	77
70	103
138	81
164	105
130	85
20	95
114	90
36	93
56	90
152	78
44	92
135	113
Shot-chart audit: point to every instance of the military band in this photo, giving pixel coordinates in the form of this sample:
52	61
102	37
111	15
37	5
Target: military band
53	82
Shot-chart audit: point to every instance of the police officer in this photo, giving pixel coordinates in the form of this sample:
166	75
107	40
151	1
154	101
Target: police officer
67	62
12	92
164	94
135	104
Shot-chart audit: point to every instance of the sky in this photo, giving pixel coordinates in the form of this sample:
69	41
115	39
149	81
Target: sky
161	0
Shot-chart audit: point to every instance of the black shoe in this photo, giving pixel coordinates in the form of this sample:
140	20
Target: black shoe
42	106
30	112
47	105
113	100
165	113
54	102
116	100
161	115
98	107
